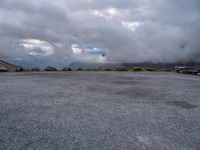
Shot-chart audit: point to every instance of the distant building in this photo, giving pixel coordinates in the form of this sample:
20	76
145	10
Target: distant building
4	66
188	70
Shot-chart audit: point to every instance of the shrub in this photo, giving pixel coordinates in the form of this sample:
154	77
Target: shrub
137	69
107	69
35	69
66	69
167	70
89	69
27	70
121	69
98	69
79	69
150	69
50	68
20	69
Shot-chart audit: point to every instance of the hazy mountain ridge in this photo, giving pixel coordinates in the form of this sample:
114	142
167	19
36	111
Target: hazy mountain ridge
161	65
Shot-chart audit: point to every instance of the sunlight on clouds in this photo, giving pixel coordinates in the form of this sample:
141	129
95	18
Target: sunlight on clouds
89	53
131	25
97	13
33	41
37	47
113	12
106	13
76	49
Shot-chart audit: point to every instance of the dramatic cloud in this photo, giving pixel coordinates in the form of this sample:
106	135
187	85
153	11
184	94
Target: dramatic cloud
118	30
88	53
36	47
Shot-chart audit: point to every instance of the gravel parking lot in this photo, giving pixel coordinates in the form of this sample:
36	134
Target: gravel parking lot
100	111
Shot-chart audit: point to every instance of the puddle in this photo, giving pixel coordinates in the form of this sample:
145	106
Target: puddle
182	104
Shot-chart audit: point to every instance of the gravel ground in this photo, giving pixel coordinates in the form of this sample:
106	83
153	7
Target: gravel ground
100	111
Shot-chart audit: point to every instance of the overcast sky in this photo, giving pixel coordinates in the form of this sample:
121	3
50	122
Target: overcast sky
123	30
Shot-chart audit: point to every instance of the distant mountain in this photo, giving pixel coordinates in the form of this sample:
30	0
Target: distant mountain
41	63
160	65
93	65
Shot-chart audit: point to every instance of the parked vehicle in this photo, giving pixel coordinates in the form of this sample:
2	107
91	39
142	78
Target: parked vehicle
181	69
2	68
187	70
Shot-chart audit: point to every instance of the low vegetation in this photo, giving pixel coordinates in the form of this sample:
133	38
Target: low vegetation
35	69
121	69
150	69
137	69
67	69
89	69
167	70
79	69
103	69
50	68
107	69
22	69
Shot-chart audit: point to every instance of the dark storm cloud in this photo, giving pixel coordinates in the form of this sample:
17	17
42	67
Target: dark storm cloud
129	30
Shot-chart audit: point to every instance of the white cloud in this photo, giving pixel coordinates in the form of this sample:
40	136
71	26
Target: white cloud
108	13
76	49
37	47
131	25
113	12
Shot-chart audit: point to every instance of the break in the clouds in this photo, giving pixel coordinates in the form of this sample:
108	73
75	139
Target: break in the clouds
118	30
37	47
88	53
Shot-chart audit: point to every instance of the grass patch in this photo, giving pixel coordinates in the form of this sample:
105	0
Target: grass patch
79	69
50	68
35	69
150	69
121	69
137	69
67	69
